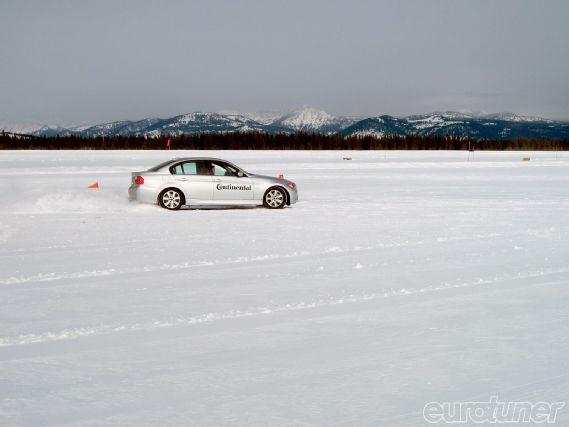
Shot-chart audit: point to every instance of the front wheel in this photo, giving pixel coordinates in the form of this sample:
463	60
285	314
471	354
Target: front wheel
275	198
171	199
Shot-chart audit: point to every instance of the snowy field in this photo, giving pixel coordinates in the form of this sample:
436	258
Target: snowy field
398	279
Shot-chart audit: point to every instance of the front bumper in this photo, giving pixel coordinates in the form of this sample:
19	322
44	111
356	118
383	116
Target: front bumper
293	195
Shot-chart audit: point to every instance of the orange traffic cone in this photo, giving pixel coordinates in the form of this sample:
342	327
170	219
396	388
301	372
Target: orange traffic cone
95	185
281	176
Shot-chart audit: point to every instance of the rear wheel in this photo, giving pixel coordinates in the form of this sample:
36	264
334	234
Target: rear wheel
275	198
171	199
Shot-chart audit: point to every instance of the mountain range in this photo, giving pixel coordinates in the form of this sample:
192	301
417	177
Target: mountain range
498	126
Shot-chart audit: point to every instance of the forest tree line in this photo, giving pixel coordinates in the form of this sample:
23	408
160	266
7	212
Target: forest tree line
264	141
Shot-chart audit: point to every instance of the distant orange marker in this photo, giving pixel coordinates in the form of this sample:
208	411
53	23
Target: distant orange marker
281	176
95	185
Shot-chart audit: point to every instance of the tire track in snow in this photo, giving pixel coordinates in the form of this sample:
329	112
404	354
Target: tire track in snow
76	246
49	277
86	274
85	332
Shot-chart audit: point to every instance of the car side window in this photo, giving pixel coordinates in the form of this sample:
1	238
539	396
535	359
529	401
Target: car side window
188	168
223	169
203	168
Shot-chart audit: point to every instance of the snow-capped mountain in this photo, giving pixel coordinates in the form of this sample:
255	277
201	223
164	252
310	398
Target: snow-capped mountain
203	123
52	130
184	124
23	127
116	128
512	117
264	117
313	120
501	126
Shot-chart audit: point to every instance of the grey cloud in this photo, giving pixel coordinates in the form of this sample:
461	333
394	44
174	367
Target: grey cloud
75	62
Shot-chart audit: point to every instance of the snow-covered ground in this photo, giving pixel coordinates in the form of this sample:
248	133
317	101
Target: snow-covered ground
398	279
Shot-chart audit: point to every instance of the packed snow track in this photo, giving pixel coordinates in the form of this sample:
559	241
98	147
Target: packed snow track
398	279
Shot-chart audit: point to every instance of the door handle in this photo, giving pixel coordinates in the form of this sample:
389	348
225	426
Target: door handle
182	179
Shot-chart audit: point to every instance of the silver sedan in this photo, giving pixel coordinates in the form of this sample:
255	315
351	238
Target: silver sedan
199	181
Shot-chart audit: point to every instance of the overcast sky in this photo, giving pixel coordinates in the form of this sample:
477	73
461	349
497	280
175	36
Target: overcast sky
72	62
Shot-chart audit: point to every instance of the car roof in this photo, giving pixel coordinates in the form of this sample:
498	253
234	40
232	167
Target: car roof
171	162
190	159
182	159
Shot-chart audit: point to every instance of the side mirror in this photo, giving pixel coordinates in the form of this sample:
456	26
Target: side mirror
240	174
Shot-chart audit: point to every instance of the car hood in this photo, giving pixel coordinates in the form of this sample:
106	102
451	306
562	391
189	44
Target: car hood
255	175
269	178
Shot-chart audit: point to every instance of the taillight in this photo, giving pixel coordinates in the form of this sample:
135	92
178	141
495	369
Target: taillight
139	180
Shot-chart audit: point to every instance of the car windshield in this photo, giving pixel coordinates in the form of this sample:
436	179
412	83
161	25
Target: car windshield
160	166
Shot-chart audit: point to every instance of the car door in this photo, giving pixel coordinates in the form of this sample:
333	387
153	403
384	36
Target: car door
194	179
227	185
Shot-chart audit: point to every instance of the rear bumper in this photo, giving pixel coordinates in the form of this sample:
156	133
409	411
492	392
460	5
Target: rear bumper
140	193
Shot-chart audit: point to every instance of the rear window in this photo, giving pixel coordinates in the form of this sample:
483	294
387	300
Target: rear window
160	166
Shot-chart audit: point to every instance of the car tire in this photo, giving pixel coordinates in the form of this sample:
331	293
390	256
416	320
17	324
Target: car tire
171	199
274	198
